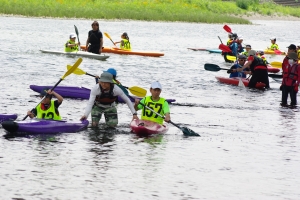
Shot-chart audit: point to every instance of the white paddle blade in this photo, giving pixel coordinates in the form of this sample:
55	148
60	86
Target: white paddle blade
241	84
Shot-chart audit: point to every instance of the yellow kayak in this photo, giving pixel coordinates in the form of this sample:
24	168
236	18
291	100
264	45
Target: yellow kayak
277	52
276	64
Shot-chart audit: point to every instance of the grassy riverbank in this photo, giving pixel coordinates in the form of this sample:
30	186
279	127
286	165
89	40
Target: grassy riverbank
207	11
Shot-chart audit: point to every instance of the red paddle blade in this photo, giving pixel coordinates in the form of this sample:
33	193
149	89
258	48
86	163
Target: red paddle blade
227	29
224	48
278	52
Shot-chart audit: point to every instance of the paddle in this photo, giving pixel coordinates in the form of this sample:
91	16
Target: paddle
135	90
220	39
213	67
108	36
278	52
224	48
76	30
227	29
186	131
72	69
276	64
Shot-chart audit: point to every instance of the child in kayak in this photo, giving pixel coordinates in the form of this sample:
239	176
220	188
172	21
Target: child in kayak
233	70
273	46
124	43
155	102
71	45
47	109
261	55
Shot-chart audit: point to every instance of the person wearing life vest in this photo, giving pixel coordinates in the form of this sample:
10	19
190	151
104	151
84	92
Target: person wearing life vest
71	45
261	55
113	72
233	70
102	101
240	47
285	62
47	109
155	102
94	41
124	43
229	39
298	51
232	44
273	46
258	70
290	79
248	48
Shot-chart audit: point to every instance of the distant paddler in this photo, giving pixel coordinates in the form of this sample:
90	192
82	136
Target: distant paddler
71	45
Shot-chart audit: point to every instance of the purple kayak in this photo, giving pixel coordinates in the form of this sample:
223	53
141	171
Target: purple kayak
6	117
41	126
78	92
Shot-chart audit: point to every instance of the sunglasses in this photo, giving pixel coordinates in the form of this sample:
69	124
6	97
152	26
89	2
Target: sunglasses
242	59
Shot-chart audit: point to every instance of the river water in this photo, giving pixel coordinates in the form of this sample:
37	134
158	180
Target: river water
249	145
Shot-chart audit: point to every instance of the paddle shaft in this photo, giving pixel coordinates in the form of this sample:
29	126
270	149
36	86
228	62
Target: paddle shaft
76	30
220	39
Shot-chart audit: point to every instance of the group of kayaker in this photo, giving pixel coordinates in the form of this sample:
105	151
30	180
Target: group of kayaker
103	98
257	67
94	42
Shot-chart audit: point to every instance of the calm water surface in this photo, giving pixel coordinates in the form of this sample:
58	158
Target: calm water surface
249	147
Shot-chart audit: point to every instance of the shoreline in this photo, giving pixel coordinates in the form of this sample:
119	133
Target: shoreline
249	17
256	16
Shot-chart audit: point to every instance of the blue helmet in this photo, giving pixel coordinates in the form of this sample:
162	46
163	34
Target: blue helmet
112	71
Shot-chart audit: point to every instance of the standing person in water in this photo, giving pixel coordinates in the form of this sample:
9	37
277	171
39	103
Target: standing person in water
124	43
94	41
258	70
290	79
102	101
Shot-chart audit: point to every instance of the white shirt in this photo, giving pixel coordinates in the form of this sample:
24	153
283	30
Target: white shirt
116	92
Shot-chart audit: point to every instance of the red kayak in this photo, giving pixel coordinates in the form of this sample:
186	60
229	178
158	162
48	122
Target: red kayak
235	81
145	127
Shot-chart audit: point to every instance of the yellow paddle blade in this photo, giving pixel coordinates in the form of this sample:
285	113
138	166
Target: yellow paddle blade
107	35
231	58
73	68
77	71
276	64
137	91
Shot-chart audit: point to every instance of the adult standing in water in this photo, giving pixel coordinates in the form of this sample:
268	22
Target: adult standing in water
258	70
94	41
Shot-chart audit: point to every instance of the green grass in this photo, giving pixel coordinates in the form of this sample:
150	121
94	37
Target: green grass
207	11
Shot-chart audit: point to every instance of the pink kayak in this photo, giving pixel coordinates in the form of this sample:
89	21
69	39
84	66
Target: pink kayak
145	127
235	81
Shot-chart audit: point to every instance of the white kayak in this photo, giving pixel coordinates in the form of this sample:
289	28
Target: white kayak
78	53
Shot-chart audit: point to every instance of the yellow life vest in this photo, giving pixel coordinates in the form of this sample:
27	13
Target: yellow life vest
50	113
70	49
274	46
126	45
298	53
157	106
